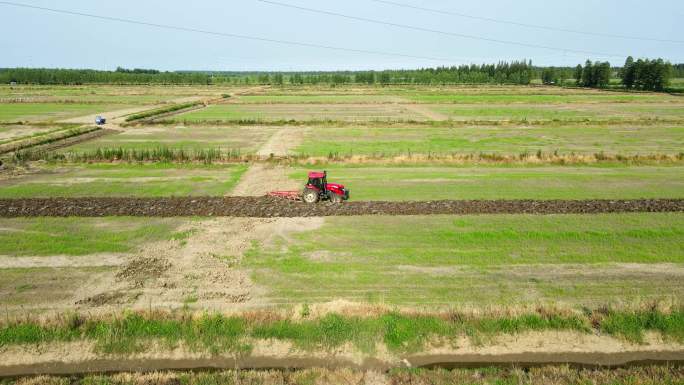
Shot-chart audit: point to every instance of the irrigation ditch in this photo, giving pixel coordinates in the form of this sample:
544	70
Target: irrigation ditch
576	360
268	207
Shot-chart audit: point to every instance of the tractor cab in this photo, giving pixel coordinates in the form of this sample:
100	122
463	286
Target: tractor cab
318	189
318	180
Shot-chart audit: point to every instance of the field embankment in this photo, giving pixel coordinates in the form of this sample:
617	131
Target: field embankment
46	138
377	340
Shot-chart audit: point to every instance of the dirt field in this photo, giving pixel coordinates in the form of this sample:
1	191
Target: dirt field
268	207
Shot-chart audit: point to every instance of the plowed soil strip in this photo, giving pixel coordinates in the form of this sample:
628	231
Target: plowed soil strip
266	207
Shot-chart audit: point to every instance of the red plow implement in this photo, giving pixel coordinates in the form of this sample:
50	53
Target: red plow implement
290	195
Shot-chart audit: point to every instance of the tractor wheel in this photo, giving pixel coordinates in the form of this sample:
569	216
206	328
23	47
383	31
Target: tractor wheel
310	196
336	199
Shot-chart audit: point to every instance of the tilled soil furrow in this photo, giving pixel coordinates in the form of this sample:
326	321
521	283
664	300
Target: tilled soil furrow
269	207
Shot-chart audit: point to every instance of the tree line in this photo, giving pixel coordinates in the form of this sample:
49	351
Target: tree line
645	74
593	75
50	76
517	72
642	74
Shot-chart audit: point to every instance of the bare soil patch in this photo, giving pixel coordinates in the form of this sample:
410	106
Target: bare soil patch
202	270
270	207
111	298
260	179
426	111
282	142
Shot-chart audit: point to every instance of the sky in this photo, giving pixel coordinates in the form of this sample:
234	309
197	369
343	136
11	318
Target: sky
38	38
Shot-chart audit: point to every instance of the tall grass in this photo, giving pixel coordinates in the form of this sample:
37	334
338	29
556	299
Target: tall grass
158	154
161	111
62	127
219	155
43	139
448	123
399	332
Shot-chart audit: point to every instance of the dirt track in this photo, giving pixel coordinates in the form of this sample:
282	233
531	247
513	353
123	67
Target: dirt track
266	207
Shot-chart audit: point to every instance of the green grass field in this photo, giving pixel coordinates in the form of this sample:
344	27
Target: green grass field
80	236
571	112
275	112
144	180
15	112
319	99
106	94
544	98
26	288
396	183
581	139
496	259
245	140
480	261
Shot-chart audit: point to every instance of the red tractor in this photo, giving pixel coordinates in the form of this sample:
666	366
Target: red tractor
317	189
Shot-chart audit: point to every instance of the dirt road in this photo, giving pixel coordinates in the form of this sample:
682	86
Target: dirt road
268	207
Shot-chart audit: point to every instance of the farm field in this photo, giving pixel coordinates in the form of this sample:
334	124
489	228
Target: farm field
571	112
103	94
40	112
401	104
565	139
369	107
49	260
275	112
80	236
245	140
397	183
370	183
363	284
144	180
407	112
12	132
445	260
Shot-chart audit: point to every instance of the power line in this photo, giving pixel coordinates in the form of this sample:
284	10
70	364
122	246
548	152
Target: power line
422	29
527	25
224	34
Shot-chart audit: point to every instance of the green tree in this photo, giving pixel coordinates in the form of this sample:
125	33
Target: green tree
278	79
588	74
579	74
385	78
628	73
601	77
549	75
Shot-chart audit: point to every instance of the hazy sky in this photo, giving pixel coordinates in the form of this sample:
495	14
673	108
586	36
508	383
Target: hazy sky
43	39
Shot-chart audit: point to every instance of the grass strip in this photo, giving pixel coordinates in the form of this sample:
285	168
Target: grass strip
216	333
448	123
37	134
47	138
219	155
161	111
